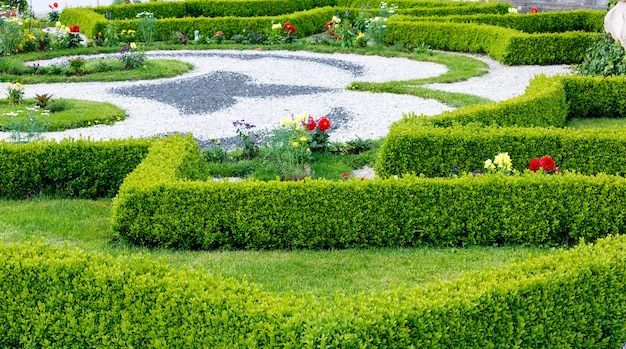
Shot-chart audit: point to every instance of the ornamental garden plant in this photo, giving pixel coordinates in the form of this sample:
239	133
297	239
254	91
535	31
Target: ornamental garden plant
169	304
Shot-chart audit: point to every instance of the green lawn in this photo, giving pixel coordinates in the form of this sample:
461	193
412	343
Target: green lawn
87	224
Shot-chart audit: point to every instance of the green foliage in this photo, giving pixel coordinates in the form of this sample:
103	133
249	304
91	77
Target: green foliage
605	57
431	146
494	35
85	18
158	205
69	168
570	299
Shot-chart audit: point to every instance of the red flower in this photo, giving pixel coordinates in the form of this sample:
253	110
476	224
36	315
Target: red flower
547	163
534	10
13	14
289	27
345	175
220	33
323	123
310	124
55	5
534	165
74	29
328	24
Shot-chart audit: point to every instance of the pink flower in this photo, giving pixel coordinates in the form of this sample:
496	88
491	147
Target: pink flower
534	165
345	175
323	123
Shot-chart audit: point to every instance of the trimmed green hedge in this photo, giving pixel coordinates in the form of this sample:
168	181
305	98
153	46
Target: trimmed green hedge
506	45
214	8
57	296
431	146
158	205
69	168
545	22
306	22
470	8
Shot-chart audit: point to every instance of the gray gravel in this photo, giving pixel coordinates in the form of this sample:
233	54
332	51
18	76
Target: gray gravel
262	87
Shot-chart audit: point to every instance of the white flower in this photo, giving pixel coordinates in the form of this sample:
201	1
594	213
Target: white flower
489	165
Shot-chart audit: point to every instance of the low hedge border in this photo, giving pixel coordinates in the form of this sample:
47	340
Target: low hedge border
69	168
64	296
545	22
508	46
159	206
467	137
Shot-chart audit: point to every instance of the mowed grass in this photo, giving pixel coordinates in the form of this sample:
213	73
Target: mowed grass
597	123
87	224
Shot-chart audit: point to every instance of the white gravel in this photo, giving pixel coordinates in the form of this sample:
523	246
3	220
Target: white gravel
357	114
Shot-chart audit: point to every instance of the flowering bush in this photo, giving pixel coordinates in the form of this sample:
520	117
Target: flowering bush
77	65
282	33
53	15
287	148
247	138
546	164
130	57
15	93
500	164
317	137
127	36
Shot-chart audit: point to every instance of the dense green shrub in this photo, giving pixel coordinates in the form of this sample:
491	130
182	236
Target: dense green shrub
69	168
506	45
59	296
306	23
545	22
158	205
89	21
454	9
543	104
605	57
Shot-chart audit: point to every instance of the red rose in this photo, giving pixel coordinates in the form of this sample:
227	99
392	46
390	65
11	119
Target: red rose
323	123
534	10
74	29
310	124
547	163
534	165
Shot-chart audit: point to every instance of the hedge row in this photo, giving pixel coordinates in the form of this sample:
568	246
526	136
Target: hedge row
495	8
506	45
431	146
158	206
58	296
214	8
69	168
545	22
306	22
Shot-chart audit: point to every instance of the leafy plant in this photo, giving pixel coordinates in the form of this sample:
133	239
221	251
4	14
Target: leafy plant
27	131
77	65
605	58
15	93
288	150
130	57
146	24
59	105
247	139
214	152
43	100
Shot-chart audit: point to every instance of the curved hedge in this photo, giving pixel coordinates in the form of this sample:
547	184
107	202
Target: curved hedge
69	168
56	296
159	205
467	137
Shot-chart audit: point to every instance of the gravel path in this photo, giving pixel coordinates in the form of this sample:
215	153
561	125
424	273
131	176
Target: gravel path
261	87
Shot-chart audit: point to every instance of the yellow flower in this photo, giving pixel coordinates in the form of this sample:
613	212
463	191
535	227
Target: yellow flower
303	139
360	35
123	32
300	118
131	32
489	165
295	144
336	19
503	161
286	122
513	10
58	24
277	26
133	45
